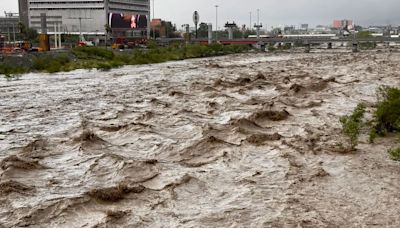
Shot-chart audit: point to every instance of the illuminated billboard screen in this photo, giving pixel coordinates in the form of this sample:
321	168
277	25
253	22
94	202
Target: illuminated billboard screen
127	21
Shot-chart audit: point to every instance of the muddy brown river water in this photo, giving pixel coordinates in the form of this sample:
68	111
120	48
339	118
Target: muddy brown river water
246	140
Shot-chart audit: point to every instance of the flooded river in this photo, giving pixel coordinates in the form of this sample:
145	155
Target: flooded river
247	140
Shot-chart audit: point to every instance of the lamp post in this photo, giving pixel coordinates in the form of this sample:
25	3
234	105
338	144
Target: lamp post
250	21
154	29
7	23
258	25
216	23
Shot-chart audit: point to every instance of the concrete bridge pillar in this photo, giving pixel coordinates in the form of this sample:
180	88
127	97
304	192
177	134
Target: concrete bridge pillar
262	46
230	33
355	46
210	36
329	45
308	47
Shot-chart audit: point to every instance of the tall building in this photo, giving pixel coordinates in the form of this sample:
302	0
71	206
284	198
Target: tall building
337	24
304	27
90	16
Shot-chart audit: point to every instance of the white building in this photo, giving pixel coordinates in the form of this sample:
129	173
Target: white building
83	16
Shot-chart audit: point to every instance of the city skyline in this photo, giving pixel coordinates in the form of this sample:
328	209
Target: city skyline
313	12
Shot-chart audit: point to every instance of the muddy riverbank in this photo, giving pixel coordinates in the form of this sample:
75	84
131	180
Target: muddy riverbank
245	140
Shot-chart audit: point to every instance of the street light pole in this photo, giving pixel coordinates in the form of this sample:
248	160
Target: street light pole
216	23
8	27
258	25
250	21
154	29
81	39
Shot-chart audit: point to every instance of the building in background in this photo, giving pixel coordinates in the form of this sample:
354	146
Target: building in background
89	17
163	29
9	26
304	27
289	29
156	26
338	24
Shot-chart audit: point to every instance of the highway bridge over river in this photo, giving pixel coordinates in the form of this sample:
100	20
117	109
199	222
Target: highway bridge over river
307	42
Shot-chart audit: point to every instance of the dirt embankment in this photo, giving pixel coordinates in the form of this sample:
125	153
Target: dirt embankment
238	141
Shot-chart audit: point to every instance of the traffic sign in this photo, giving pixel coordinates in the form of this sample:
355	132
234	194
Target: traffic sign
196	17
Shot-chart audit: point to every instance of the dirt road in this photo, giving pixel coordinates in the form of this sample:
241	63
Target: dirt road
245	140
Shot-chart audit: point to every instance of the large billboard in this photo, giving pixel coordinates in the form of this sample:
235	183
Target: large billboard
127	21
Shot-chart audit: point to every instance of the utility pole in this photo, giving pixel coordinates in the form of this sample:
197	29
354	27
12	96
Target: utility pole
216	23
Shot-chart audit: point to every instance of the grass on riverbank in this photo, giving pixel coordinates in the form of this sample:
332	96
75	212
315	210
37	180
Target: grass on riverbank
103	59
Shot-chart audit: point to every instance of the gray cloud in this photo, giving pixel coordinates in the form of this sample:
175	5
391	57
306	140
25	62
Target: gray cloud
276	12
273	12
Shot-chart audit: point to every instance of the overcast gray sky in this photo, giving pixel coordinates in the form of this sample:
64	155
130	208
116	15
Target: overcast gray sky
272	12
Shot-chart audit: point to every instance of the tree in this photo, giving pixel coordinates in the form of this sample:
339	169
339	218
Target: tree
247	33
27	33
108	30
358	28
202	31
364	34
167	29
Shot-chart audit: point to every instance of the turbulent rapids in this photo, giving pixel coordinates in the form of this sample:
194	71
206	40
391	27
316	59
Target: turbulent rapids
247	140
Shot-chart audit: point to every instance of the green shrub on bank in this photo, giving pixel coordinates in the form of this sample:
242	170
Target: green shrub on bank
351	125
394	154
9	70
387	114
386	119
367	45
93	53
51	64
197	51
286	46
372	135
271	48
215	48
